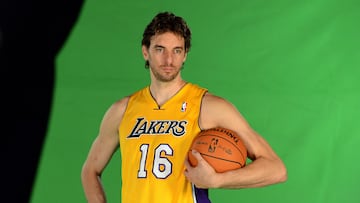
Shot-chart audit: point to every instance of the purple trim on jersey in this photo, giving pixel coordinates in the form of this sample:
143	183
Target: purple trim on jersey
202	195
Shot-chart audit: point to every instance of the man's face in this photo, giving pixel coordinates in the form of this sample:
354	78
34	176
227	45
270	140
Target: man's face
166	56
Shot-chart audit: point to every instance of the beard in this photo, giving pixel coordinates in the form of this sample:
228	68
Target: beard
165	77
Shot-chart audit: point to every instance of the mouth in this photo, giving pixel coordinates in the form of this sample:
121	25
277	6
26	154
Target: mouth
168	69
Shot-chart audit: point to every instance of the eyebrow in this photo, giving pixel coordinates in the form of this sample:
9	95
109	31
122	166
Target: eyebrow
159	46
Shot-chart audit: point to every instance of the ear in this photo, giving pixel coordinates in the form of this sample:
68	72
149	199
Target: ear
145	52
185	57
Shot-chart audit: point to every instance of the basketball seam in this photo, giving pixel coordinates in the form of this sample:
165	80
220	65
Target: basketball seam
222	159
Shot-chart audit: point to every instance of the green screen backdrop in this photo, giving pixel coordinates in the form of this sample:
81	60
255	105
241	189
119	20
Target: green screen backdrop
291	68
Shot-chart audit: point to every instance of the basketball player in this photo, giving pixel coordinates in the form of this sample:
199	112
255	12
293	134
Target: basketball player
154	128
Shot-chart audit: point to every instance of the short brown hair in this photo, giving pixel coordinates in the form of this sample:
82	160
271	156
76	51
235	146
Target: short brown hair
167	22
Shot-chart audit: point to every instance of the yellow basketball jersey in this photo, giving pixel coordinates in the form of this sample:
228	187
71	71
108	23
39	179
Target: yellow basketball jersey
154	142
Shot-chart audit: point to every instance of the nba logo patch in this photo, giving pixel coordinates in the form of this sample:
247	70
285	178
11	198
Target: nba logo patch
183	106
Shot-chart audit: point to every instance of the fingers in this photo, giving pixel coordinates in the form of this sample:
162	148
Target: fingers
187	163
198	174
190	166
197	155
199	159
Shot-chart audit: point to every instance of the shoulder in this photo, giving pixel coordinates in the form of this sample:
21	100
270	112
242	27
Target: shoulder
116	110
196	87
216	111
121	103
119	106
113	117
211	101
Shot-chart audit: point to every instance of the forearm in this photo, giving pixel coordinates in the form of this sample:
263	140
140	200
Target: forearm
259	173
93	189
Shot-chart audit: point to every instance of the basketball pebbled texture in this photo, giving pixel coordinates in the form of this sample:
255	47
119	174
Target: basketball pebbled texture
222	148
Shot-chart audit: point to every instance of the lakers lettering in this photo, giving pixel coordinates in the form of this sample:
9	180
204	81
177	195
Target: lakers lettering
158	127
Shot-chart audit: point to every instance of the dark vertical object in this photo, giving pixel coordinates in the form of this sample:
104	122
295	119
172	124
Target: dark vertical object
31	35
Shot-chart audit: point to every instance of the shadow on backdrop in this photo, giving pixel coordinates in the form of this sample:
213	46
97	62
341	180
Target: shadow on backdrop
31	35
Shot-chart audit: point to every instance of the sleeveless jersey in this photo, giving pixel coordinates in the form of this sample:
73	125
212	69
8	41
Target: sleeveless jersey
154	142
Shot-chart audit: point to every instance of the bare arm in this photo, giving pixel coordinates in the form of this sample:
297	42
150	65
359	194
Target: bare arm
101	152
266	167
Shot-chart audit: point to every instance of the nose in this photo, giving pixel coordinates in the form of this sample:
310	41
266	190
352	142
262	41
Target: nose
168	58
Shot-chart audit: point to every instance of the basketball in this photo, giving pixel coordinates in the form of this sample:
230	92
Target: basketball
222	148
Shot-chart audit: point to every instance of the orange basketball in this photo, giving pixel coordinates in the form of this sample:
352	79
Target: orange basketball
221	148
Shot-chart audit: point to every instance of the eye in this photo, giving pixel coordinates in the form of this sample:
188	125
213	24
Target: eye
178	51
159	49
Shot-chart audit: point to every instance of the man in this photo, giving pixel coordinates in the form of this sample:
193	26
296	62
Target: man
154	128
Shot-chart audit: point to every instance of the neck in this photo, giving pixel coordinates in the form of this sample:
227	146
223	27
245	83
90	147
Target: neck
163	91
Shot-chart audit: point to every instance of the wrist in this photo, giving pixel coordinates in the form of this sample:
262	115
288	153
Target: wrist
218	180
